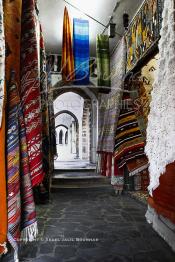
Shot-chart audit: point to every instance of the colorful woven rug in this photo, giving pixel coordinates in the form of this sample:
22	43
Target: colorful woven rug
21	208
81	50
2	61
30	92
3	205
109	104
129	140
68	73
103	61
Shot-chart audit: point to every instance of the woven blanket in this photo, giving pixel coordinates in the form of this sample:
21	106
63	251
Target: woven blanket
3	205
81	50
129	140
67	50
103	61
30	92
2	61
160	147
21	208
109	104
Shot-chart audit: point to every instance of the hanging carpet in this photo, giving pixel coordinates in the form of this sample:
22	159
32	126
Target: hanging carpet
109	104
21	207
81	51
68	73
103	61
30	91
3	205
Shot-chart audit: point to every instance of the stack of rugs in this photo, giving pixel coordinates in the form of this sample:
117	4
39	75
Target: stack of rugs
24	147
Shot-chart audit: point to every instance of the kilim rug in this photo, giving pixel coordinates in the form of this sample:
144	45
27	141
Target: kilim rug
67	50
109	104
81	50
30	92
129	140
103	61
2	61
21	208
3	205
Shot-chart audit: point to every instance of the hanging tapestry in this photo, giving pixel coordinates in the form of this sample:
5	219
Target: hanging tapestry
81	50
129	143
103	61
160	147
109	104
3	205
2	61
68	73
30	92
144	31
21	207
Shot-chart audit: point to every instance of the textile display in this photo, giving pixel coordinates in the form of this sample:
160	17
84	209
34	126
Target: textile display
103	61
3	205
160	147
109	104
21	207
105	164
30	92
129	140
144	31
2	60
81	51
68	73
3	197
163	199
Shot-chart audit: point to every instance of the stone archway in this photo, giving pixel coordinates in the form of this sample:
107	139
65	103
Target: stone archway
76	127
86	93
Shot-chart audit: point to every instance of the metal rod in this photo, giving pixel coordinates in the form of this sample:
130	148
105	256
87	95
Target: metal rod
85	14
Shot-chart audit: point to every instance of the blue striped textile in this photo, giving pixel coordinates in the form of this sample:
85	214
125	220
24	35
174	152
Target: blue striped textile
81	51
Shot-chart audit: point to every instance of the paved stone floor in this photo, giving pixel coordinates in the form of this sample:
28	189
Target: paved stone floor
92	225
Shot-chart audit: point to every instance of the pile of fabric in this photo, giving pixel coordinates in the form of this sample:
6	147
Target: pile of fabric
24	147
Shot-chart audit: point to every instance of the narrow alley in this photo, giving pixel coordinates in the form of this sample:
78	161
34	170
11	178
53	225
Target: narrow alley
92	225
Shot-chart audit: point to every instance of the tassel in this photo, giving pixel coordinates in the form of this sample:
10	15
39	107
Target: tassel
5	248
16	259
29	233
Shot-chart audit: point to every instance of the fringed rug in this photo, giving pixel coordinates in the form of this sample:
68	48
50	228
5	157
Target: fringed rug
3	193
129	140
2	61
67	50
81	50
30	92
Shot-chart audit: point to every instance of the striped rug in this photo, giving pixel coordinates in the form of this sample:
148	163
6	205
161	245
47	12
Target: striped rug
81	50
67	50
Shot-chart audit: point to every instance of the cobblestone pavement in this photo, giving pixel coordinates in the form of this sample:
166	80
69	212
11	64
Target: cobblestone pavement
92	225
